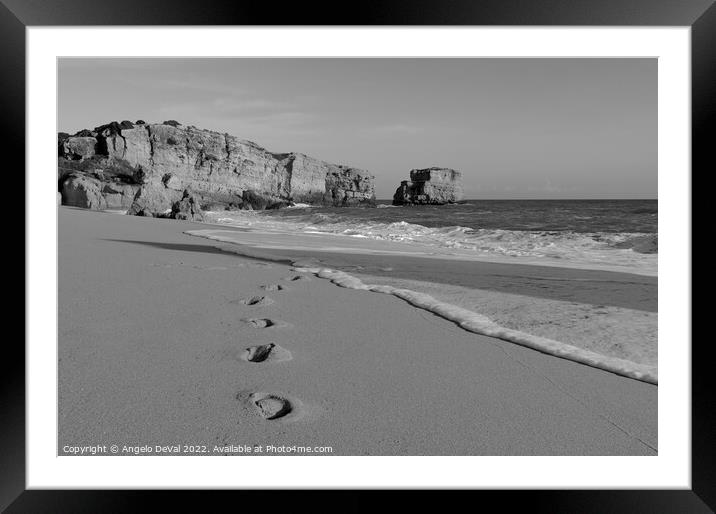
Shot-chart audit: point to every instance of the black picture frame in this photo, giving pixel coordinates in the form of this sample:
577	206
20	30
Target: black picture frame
700	15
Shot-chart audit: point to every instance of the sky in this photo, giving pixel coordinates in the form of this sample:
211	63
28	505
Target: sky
515	128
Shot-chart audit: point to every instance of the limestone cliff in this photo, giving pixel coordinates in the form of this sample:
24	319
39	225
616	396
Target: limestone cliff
154	164
430	186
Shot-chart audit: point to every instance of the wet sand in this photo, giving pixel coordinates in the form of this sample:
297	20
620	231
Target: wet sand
594	286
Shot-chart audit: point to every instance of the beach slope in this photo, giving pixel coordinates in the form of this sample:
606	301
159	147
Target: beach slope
165	339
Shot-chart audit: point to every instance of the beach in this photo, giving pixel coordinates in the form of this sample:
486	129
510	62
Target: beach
164	340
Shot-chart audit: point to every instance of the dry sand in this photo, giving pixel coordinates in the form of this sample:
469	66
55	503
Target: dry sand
157	337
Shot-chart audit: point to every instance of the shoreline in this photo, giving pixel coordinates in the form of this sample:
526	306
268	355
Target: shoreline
353	244
468	320
153	329
454	241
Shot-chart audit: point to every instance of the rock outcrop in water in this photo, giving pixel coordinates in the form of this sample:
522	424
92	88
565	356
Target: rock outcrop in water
435	186
146	169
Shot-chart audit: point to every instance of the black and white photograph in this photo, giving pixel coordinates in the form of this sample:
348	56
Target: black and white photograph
263	243
357	256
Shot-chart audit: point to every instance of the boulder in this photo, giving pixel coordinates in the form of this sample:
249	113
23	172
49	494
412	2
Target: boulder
435	186
78	148
187	209
118	195
83	191
153	200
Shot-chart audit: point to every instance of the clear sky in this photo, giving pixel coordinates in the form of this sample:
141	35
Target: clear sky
516	128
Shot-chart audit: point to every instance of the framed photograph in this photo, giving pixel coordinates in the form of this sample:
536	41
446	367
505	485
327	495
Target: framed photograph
421	248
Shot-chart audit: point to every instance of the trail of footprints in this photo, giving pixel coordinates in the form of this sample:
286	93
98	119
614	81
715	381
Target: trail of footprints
270	406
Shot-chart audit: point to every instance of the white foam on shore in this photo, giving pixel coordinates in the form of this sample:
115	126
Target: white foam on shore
475	322
479	324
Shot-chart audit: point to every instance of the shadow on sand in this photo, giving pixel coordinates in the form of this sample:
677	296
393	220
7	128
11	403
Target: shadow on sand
174	246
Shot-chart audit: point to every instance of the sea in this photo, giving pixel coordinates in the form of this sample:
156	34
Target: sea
586	233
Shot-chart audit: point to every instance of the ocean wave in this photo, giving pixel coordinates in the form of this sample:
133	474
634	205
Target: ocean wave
620	248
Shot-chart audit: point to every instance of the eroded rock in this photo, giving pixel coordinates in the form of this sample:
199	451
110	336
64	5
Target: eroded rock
435	186
218	169
152	200
78	148
187	209
83	191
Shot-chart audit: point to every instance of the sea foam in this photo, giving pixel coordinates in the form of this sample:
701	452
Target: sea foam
563	248
472	321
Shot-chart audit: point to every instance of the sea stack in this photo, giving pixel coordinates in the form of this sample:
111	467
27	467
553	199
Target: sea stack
146	168
434	186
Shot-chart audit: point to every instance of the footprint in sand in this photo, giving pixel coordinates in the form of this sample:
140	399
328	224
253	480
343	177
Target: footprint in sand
267	353
257	301
273	406
297	278
262	322
273	287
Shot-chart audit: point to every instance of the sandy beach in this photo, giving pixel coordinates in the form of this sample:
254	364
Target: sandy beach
165	339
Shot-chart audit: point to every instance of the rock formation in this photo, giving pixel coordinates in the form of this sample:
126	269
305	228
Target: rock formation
146	168
430	186
90	192
186	209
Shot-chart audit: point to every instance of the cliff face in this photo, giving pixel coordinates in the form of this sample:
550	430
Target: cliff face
430	186
156	163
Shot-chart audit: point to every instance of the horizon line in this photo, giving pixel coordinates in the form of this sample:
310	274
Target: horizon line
538	199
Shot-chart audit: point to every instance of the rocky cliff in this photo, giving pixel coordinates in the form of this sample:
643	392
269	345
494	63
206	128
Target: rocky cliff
430	186
147	168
